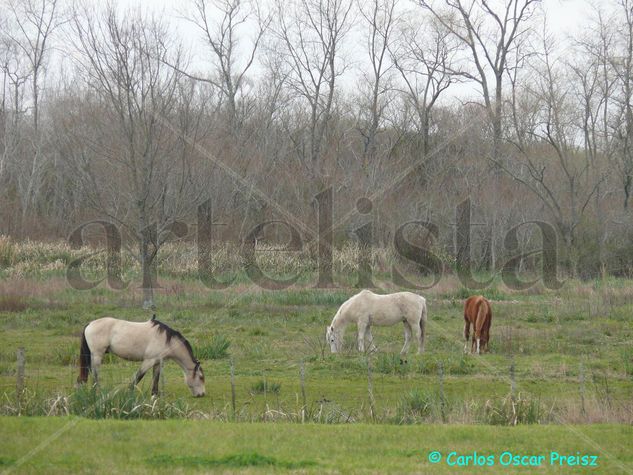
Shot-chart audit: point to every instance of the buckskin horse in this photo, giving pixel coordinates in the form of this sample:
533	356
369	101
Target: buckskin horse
478	312
150	342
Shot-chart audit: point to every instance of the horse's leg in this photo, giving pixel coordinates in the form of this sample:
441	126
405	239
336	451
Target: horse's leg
486	335
145	366
155	378
480	323
422	326
95	363
407	340
466	334
362	328
370	339
417	334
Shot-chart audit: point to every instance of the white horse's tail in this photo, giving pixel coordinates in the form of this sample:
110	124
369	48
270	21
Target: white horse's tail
423	317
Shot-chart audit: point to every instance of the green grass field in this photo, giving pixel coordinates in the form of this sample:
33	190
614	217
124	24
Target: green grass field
63	445
570	350
566	351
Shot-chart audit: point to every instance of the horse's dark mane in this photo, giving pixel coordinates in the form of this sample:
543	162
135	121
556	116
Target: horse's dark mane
171	333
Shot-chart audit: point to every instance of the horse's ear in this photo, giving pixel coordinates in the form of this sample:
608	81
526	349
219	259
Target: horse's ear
154	317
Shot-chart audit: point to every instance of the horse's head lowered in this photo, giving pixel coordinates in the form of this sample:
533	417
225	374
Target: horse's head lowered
195	380
332	338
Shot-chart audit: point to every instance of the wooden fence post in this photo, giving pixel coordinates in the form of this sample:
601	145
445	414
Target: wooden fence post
513	394
233	387
19	380
302	374
513	383
581	376
370	389
440	371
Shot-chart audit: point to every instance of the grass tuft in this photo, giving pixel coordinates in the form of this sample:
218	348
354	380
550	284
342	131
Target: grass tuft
512	411
262	386
414	405
67	354
127	403
391	363
217	348
7	252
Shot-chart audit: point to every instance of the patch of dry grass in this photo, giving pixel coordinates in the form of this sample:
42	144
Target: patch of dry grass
13	303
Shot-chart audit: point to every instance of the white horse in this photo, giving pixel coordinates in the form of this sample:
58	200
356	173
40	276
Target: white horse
367	308
150	342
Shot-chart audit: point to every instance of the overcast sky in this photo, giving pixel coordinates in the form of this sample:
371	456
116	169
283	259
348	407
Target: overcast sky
564	18
565	15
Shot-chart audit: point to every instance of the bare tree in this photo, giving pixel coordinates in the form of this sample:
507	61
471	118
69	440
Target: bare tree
221	23
621	59
490	34
133	169
561	173
311	33
424	57
35	21
15	75
380	20
31	25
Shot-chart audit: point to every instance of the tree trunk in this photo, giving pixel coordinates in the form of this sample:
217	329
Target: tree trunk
148	269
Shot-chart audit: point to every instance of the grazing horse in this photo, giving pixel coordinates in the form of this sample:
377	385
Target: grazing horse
367	308
149	342
477	311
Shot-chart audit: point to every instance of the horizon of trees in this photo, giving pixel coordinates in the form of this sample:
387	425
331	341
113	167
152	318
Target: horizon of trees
134	133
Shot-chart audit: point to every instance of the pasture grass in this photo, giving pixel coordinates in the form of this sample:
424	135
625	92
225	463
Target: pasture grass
570	349
263	386
567	346
70	444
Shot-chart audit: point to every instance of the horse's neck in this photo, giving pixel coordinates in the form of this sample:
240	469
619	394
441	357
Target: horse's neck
181	355
340	322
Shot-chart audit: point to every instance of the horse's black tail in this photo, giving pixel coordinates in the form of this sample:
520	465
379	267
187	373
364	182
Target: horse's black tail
84	359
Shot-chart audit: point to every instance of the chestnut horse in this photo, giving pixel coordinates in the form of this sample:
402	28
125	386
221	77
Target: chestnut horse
477	311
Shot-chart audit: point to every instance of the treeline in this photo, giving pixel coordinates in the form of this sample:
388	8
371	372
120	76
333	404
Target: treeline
105	114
